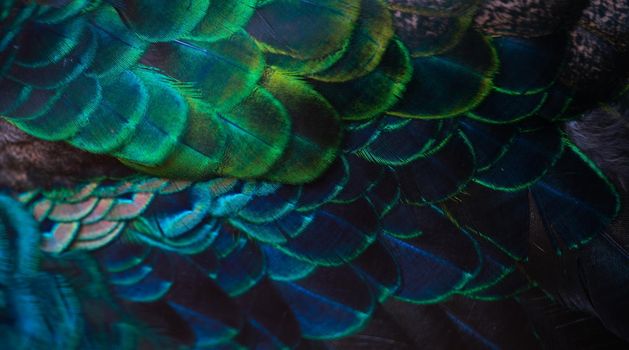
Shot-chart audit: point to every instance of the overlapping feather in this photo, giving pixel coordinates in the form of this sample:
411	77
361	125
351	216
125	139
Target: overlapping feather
336	160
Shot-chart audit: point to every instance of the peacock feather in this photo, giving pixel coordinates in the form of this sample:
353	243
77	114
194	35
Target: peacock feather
307	172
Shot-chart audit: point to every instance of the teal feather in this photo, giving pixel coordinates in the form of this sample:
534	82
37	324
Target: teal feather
304	172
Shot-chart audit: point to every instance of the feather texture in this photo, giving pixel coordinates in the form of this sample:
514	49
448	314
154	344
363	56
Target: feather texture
305	170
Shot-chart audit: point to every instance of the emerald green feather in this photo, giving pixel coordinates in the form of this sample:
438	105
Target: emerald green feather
161	126
257	89
223	19
374	93
163	20
298	67
57	14
367	45
316	131
53	44
198	152
109	127
71	108
33	69
259	129
294	28
218	74
118	48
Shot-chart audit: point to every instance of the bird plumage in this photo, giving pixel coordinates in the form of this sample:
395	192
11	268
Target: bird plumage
312	172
